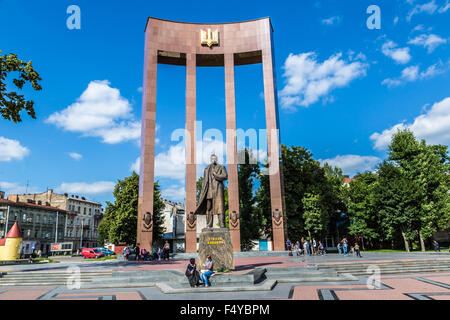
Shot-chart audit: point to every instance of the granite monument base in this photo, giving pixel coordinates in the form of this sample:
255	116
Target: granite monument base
217	243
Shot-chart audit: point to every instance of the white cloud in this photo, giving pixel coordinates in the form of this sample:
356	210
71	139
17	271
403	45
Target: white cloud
99	187
100	111
433	126
332	20
174	193
395	20
308	80
429	7
445	7
399	55
136	165
12	149
75	156
16	188
412	73
352	164
171	163
430	42
139	89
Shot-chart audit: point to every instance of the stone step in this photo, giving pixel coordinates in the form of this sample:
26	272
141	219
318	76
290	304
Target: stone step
392	271
357	265
169	288
349	269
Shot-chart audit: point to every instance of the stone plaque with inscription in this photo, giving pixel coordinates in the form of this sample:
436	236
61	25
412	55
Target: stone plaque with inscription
217	243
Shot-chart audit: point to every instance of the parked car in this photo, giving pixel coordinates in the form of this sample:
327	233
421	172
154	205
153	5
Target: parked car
91	253
105	251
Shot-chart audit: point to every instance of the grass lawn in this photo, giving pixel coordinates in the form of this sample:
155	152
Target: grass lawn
114	257
44	260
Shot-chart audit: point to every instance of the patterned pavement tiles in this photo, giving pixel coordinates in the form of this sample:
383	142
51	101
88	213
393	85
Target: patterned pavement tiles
401	287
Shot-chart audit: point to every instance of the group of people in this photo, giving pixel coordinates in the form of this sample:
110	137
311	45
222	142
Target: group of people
145	255
314	247
197	278
305	247
342	247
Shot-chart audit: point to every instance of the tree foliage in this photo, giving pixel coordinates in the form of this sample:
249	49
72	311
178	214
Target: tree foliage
250	216
119	222
361	207
12	103
313	213
303	175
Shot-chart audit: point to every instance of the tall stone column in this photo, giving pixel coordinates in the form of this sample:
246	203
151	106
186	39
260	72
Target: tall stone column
233	185
191	178
146	176
273	141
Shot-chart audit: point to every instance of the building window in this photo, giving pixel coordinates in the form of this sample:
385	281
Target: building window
44	219
38	218
90	211
24	217
84	211
50	220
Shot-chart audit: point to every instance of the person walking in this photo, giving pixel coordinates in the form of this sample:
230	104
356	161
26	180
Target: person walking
207	270
339	247
314	246
436	246
159	254
308	247
345	246
288	244
166	250
137	252
297	248
322	250
358	253
126	253
304	247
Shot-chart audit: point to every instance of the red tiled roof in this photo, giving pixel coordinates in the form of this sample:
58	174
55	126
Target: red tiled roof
30	205
14	232
348	179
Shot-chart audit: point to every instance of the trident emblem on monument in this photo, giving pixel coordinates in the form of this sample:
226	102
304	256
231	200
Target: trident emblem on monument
209	38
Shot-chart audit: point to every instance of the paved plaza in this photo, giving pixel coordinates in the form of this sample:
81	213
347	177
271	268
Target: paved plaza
423	285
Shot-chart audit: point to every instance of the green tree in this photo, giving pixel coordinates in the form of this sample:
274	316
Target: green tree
250	216
361	207
158	213
119	222
11	103
302	174
313	214
426	166
397	198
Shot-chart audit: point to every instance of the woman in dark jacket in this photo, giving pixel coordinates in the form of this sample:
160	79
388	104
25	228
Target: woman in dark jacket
192	273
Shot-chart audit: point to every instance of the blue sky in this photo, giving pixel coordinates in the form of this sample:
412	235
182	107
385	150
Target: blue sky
343	88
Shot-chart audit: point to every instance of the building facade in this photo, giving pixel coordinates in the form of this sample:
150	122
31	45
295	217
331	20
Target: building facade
83	215
40	224
174	224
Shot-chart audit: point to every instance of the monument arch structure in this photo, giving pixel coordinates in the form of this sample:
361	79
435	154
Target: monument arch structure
201	45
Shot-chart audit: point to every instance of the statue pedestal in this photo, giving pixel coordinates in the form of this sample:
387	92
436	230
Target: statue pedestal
217	243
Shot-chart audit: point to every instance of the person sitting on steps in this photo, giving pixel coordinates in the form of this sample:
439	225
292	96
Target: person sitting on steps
207	271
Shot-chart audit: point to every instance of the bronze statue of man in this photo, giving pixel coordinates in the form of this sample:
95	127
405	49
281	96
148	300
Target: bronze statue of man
212	201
